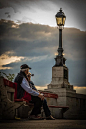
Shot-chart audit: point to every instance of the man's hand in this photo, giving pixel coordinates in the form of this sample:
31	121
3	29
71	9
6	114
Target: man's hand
41	96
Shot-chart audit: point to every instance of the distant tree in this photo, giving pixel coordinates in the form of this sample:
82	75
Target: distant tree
10	77
1	74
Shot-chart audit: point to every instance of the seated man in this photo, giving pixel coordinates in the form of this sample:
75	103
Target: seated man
23	88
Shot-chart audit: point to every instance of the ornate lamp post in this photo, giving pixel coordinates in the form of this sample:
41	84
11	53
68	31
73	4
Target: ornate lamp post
60	19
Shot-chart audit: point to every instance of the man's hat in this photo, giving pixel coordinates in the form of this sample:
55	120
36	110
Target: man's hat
24	66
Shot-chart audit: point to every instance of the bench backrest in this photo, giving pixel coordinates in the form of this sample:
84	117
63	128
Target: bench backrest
12	85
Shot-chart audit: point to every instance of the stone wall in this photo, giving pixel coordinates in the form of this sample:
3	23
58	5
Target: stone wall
77	106
76	102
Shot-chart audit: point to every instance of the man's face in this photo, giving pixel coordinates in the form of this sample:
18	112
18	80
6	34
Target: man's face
27	71
29	78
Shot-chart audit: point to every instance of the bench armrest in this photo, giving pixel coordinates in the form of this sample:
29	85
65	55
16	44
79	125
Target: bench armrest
18	100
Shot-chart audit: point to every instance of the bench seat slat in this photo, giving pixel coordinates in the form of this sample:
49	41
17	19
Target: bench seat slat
53	106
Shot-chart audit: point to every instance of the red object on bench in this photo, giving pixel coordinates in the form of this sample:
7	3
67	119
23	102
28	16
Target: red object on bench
65	108
50	95
27	96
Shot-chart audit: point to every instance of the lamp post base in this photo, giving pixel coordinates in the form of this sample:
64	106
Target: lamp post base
60	61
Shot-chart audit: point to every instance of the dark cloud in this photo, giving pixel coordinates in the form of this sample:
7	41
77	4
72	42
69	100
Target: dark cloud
35	40
27	3
73	4
9	16
7	13
38	39
75	11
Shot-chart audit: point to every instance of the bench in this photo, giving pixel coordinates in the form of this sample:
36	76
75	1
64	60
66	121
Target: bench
11	108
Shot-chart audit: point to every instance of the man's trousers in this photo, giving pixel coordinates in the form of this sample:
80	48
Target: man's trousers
38	103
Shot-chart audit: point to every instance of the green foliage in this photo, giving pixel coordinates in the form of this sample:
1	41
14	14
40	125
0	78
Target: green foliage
10	77
1	74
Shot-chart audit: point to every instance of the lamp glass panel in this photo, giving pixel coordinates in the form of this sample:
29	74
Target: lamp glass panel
63	21
59	20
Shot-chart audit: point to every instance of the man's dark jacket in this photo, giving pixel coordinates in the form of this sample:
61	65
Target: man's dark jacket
18	80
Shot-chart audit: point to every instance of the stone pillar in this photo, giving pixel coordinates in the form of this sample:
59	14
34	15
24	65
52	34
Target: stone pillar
59	77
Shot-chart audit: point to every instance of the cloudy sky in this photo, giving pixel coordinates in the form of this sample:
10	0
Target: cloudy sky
28	34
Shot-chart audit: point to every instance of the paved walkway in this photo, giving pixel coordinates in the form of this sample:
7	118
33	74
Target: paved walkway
43	124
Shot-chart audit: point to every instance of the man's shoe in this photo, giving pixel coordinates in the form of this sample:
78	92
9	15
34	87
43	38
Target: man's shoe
50	118
33	117
17	118
42	118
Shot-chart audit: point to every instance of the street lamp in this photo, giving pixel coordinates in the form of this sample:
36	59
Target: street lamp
60	20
